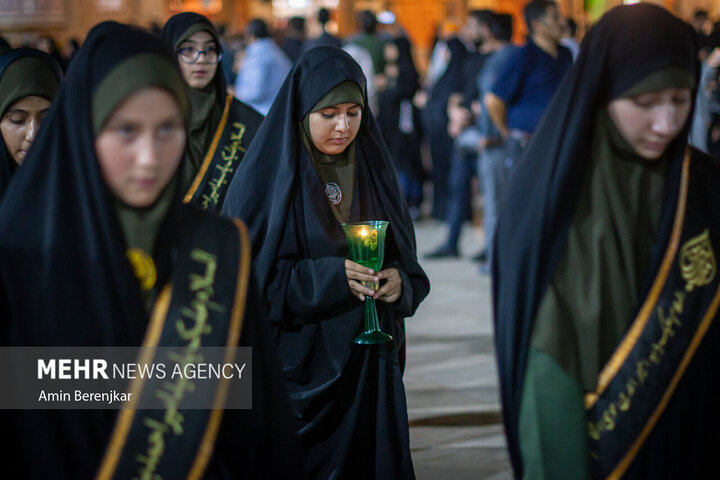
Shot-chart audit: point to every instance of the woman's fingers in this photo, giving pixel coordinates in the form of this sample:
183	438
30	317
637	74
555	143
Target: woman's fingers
356	267
355	271
357	274
389	294
392	289
359	290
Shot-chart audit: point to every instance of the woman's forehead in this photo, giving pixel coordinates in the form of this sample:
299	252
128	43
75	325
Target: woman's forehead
200	37
343	105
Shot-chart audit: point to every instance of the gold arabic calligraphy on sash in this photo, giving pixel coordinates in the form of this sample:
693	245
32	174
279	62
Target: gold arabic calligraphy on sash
698	268
225	168
172	393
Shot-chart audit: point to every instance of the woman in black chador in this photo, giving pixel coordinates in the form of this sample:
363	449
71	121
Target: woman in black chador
399	119
435	121
605	268
221	126
29	80
318	160
96	249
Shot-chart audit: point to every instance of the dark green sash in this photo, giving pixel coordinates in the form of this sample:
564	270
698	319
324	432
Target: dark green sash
203	306
231	140
637	383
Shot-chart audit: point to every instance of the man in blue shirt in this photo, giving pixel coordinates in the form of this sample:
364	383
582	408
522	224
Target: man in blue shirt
263	69
494	172
530	76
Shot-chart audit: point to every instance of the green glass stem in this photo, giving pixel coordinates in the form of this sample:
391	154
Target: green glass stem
371	318
372	334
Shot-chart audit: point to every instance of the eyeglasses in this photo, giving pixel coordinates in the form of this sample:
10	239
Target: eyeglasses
192	54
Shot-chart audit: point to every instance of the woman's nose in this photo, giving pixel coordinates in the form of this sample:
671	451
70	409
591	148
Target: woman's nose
665	121
147	151
32	129
343	123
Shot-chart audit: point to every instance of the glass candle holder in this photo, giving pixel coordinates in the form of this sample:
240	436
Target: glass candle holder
366	246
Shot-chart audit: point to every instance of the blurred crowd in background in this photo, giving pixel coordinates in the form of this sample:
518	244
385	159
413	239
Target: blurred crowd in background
453	150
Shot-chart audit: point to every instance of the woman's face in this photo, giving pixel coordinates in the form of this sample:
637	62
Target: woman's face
140	146
333	128
199	73
20	125
391	52
649	122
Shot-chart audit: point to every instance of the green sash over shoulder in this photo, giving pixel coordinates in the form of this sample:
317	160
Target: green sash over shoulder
636	385
237	127
203	306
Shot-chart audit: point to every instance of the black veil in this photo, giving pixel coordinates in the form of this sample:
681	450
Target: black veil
274	170
61	246
624	47
65	281
57	215
349	398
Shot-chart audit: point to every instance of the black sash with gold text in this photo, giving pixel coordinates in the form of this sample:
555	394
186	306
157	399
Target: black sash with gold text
202	307
636	385
237	128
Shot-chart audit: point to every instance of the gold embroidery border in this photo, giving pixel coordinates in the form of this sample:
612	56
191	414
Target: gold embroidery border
628	343
208	442
211	152
689	354
126	416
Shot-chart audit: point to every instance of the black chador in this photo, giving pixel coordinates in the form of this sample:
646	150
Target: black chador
24	72
349	398
400	120
605	280
221	126
70	277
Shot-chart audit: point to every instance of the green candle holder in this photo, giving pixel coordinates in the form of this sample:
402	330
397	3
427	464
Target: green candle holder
366	245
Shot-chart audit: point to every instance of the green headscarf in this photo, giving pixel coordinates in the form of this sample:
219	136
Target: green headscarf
25	77
146	70
194	28
140	226
596	287
335	169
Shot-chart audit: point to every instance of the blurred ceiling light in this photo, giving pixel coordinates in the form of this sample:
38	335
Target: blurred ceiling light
386	17
299	4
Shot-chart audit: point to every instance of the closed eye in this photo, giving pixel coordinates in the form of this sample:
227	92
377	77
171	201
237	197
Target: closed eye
169	128
643	103
125	129
19	121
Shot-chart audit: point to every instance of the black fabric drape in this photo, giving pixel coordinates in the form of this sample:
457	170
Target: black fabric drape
349	398
7	164
65	281
625	46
